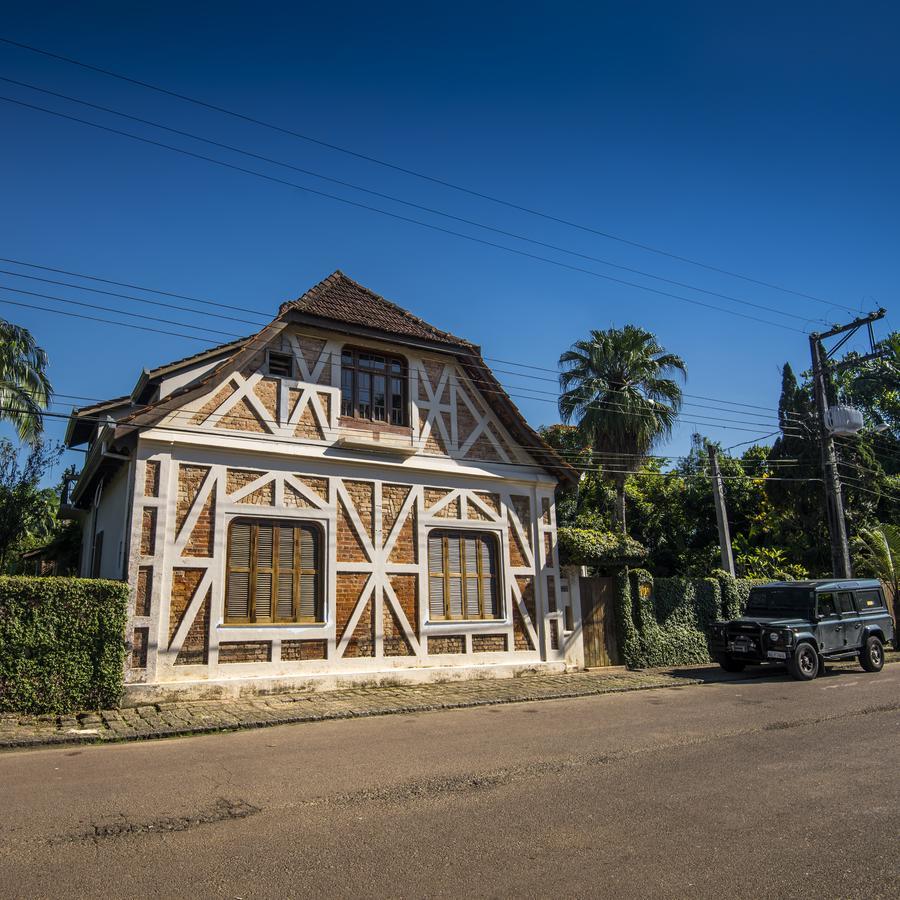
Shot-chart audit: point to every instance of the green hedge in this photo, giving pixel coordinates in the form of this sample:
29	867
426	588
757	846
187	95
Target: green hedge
598	549
665	621
62	644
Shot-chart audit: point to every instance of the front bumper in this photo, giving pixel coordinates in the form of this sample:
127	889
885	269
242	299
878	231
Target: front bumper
754	647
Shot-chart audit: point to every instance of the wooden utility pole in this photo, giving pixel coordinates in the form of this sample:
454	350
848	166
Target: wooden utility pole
721	515
837	526
834	500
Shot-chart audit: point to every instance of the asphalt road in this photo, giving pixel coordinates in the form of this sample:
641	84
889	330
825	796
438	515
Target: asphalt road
756	787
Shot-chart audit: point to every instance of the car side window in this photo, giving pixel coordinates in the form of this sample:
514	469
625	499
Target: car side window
826	605
845	602
866	600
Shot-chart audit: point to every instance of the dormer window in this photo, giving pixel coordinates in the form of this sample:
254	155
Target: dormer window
373	387
281	365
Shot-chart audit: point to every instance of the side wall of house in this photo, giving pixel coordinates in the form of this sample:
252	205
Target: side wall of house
110	517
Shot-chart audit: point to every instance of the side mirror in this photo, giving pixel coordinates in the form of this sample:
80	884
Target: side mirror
820	616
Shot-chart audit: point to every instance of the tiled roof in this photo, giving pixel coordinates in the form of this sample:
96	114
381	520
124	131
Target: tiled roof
342	299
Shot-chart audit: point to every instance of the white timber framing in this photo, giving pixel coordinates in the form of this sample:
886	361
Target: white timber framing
497	489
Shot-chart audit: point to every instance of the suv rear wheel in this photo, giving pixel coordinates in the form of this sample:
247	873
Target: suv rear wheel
804	664
729	663
871	657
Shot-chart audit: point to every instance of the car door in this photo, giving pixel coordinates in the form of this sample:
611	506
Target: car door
830	629
850	621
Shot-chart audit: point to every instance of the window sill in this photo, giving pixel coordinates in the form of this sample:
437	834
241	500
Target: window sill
358	434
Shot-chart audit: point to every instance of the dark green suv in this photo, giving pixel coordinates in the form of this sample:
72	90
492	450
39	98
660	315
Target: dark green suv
802	623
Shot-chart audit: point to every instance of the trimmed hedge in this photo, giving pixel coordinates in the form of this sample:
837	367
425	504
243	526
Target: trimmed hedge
598	549
62	644
665	621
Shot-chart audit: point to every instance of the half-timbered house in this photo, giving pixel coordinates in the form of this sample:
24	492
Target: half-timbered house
348	494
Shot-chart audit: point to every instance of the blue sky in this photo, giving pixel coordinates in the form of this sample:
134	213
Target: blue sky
759	139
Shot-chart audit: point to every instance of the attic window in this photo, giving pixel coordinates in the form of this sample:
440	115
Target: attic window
281	365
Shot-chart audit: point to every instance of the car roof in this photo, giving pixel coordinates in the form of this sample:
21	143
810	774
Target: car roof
825	584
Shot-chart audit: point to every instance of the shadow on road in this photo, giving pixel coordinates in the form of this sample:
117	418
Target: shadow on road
762	673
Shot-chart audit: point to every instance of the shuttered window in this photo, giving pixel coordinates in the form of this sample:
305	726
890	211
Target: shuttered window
274	572
462	575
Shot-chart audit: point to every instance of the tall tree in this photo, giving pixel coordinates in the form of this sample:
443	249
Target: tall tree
619	391
24	387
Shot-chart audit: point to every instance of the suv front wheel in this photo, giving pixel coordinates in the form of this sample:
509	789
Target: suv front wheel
804	664
871	657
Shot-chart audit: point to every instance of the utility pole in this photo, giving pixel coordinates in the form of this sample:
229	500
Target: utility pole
721	516
837	526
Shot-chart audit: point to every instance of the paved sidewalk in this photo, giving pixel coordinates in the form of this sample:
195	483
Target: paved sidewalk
205	716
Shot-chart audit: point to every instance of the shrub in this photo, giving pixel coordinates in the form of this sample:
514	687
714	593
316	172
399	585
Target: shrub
598	549
61	643
665	621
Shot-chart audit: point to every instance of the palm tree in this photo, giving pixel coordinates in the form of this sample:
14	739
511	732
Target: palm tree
24	387
618	390
878	554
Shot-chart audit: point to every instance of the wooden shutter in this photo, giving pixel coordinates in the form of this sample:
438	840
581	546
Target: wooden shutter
284	610
237	590
262	583
470	562
436	575
273	572
308	541
488	574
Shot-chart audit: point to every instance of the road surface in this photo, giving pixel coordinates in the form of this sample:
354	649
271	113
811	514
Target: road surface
755	787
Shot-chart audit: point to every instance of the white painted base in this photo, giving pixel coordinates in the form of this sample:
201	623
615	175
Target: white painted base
248	686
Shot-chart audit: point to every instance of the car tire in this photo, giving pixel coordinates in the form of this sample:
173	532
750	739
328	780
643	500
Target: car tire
729	664
804	664
871	657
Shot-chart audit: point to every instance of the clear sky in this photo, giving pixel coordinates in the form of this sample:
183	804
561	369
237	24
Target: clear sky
759	138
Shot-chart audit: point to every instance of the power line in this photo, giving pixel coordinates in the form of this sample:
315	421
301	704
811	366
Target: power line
416	174
726	404
266	317
548	466
486	386
365	206
418	206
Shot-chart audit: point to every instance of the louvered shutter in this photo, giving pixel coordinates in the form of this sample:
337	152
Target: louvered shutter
237	591
436	576
285	607
263	583
454	576
309	573
470	559
488	579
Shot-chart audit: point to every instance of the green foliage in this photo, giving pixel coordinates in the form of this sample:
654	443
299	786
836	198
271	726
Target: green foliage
598	549
769	563
61	643
24	387
665	621
618	389
27	513
877	554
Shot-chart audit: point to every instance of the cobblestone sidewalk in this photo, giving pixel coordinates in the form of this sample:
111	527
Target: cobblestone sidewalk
204	716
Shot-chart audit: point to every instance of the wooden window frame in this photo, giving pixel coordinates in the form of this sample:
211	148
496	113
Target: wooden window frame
288	356
494	539
273	621
355	368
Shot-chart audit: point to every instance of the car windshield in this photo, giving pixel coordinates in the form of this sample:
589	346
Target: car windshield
780	601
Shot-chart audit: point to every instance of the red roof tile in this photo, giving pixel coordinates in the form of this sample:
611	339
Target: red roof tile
342	299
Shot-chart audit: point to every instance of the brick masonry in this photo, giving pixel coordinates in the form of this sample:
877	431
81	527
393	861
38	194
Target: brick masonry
450	643
292	651
245	652
144	591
